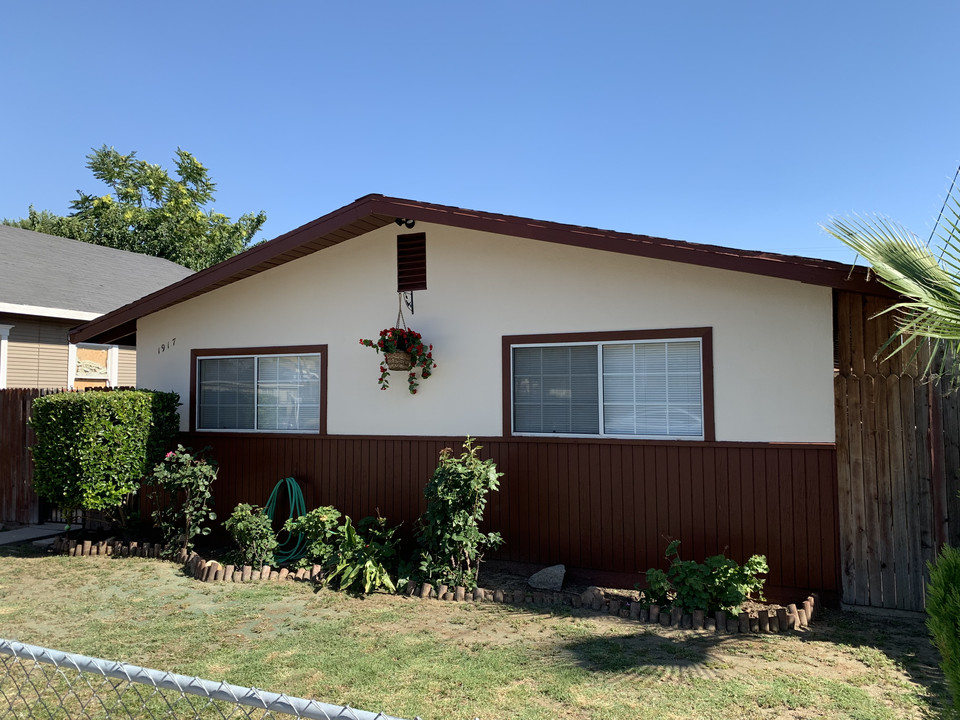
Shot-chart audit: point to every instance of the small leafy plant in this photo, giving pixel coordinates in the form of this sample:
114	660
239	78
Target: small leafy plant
358	559
252	533
658	590
183	498
718	583
364	556
398	339
452	545
320	528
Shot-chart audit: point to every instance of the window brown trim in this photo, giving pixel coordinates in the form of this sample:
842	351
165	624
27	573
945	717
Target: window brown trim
411	262
705	334
320	350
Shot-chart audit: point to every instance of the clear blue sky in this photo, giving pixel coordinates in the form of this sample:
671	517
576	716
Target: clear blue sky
733	123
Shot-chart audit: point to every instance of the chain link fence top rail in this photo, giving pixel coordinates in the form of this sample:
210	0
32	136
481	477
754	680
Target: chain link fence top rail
37	682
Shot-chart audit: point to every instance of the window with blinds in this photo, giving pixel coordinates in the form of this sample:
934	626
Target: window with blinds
276	393
555	390
649	388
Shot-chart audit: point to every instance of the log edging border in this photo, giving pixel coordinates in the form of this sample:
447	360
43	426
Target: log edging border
793	617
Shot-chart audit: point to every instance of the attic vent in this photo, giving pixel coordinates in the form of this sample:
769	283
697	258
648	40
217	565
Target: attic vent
411	262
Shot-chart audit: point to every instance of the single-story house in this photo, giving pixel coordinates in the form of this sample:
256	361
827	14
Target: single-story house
632	389
49	285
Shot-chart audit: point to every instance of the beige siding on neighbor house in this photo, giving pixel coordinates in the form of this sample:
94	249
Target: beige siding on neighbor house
127	367
37	352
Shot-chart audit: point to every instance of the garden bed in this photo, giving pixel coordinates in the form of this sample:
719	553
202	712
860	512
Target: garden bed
753	617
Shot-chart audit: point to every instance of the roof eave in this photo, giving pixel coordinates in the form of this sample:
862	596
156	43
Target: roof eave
371	210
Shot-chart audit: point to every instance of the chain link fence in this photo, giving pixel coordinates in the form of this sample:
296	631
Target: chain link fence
37	682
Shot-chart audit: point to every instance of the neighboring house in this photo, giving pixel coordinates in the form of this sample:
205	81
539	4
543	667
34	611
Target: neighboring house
50	284
631	388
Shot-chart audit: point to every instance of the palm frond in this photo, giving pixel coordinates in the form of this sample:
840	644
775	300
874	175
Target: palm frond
929	285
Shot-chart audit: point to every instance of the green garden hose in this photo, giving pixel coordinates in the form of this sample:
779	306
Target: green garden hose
295	544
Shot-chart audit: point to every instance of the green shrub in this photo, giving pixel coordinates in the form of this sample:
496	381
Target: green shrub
943	615
182	497
718	583
452	545
253	535
364	556
94	448
320	529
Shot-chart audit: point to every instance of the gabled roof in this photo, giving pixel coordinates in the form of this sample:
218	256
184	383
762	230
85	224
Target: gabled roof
374	211
51	276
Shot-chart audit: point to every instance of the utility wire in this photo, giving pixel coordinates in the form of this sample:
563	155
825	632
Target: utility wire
942	208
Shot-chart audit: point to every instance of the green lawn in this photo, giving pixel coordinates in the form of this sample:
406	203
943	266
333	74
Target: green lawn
447	660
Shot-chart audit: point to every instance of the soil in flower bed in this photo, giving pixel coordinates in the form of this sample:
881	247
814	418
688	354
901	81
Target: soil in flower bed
499	577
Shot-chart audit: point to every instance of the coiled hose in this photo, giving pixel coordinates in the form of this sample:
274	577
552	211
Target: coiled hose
295	544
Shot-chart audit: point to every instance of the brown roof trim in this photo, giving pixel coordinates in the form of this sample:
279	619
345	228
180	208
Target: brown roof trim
374	211
790	267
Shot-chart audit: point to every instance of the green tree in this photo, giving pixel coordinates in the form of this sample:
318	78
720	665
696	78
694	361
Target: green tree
928	282
150	212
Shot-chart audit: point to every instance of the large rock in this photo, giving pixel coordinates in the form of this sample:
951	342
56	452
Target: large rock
550	578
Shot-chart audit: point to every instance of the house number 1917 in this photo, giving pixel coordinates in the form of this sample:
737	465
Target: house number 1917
166	346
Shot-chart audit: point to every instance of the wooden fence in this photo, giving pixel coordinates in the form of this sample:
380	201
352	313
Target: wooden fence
898	454
604	505
18	502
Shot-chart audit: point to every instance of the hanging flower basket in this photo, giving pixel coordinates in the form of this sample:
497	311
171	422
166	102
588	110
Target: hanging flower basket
403	351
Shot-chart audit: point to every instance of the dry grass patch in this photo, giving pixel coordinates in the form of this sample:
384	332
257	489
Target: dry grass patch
448	660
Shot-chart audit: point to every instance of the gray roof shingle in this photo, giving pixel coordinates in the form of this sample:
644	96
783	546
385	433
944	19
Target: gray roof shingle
54	272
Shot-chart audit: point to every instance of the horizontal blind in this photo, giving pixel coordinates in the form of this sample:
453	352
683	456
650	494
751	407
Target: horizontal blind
555	390
288	393
259	393
226	395
653	389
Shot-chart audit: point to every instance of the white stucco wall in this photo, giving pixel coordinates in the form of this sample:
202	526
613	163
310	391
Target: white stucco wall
773	352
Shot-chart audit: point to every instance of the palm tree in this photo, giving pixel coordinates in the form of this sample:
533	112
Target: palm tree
929	308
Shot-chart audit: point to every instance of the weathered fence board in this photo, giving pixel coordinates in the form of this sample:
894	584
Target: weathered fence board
18	502
898	455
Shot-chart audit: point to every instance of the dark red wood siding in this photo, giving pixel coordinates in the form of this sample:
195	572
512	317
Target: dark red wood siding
604	505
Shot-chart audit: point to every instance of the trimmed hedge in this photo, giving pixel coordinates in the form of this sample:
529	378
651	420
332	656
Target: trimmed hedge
943	611
93	448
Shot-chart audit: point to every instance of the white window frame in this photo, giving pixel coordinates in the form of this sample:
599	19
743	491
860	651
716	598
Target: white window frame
4	345
600	398
113	358
256	372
